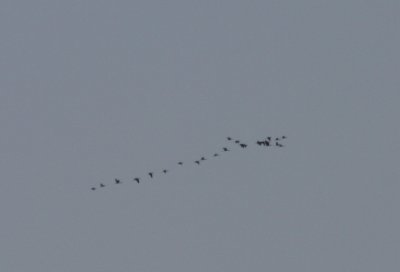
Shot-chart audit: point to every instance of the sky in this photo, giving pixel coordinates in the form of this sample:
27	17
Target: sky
93	90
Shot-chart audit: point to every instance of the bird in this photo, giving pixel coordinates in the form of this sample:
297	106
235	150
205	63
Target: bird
165	171
198	162
225	149
237	141
259	143
93	188
229	138
243	145
203	159
151	174
117	181
137	180
216	155
180	163
283	137
102	185
266	143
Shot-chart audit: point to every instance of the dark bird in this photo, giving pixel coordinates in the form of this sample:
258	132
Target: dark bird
259	143
137	180
225	149
269	138
93	189
102	185
243	145
283	137
117	181
266	143
180	163
237	141
229	138
151	174
203	159
198	162
216	155
165	171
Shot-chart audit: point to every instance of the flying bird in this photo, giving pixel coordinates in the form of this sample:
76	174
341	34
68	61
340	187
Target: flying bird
237	141
198	162
165	171
216	155
151	174
102	185
229	138
243	145
137	180
117	181
203	159
180	163
225	149
93	188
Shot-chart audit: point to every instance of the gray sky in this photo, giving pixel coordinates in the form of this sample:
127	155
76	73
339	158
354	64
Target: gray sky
94	90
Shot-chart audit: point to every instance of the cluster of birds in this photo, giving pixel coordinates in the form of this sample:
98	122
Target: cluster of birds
268	142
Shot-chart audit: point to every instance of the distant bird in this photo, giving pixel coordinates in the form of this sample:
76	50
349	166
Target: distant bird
198	162
283	137
165	171
151	174
93	188
180	163
203	159
102	185
117	181
216	155
237	141
137	180
259	143
266	143
229	138
243	145
225	149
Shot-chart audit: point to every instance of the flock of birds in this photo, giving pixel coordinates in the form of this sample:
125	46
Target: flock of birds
267	142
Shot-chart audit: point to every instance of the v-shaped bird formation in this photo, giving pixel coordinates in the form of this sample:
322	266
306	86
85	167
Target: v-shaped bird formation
267	142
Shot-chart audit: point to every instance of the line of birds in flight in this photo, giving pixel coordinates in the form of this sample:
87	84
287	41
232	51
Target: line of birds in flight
268	142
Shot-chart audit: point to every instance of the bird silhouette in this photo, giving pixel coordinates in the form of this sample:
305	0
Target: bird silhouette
237	141
137	180
151	174
165	171
93	188
229	138
243	145
198	162
225	149
203	159
180	163
283	137
102	185
216	155
117	181
266	143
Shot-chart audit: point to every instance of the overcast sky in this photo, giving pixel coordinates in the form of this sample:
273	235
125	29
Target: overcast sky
92	90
